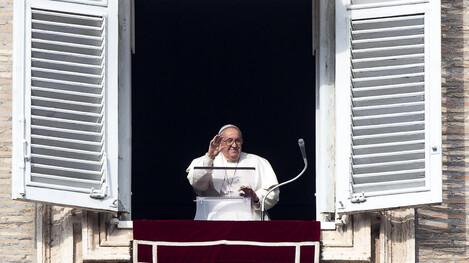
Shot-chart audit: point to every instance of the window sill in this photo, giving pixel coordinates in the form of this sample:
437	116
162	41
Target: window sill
125	224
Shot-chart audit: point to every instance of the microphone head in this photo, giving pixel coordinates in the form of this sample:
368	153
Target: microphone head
301	142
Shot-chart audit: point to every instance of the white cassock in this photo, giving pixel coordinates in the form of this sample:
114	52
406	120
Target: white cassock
227	183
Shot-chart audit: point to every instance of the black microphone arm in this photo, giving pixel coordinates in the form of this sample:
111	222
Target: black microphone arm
301	144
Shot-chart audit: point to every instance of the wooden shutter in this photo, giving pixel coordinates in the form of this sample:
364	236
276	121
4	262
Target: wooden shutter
389	105
65	110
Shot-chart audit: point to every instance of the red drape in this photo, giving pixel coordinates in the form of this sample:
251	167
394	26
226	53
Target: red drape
197	231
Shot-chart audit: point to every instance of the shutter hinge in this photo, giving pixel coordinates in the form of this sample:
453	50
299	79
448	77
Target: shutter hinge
358	198
97	194
22	166
27	155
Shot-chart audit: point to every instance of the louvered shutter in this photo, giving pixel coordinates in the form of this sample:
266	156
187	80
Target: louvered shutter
388	97
65	132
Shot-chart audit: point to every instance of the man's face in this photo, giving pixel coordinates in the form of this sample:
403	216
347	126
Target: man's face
231	144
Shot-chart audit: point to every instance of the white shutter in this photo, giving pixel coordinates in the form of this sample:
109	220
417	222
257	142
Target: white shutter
376	3
389	106
90	2
65	132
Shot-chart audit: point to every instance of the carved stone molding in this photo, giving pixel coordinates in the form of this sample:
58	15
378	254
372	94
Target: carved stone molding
70	235
351	242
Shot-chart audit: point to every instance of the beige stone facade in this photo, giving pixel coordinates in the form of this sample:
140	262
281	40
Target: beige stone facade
442	233
16	218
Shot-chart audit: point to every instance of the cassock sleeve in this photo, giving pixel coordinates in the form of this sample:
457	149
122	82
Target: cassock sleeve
267	179
200	179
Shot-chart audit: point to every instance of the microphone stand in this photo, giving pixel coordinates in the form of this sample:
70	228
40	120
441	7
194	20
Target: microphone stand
301	144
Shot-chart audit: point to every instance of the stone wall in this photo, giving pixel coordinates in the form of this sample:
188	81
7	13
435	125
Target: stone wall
442	231
16	218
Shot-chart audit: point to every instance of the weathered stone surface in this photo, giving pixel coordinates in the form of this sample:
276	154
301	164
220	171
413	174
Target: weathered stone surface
16	218
442	231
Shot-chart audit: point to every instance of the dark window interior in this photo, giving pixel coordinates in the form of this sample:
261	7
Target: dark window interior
205	63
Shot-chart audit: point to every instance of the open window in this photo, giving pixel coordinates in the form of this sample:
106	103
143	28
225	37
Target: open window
72	99
69	141
388	104
200	65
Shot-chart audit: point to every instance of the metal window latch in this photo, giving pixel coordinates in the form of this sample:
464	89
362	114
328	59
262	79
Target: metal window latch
100	193
97	194
103	192
27	155
358	198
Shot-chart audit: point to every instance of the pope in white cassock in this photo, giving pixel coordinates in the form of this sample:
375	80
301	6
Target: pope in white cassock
248	175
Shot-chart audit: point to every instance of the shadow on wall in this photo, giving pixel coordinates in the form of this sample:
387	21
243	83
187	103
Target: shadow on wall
441	229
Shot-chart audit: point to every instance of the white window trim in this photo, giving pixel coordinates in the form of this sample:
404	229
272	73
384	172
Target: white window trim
325	113
126	39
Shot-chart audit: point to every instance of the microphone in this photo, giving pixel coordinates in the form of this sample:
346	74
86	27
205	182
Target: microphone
301	143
